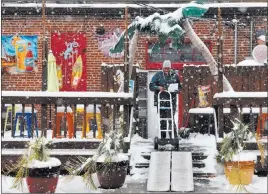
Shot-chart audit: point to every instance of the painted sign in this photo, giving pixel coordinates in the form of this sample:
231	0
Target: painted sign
19	53
69	50
107	41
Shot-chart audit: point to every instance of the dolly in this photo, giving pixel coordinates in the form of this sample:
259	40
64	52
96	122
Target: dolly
166	123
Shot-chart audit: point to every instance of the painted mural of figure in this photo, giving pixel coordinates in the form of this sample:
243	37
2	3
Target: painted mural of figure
119	78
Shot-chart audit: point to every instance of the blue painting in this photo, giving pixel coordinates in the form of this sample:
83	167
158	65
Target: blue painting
19	53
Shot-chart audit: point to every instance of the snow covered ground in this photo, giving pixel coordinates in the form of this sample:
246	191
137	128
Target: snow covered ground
137	181
137	184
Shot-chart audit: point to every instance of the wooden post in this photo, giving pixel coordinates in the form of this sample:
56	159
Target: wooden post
126	54
220	52
44	72
220	120
44	53
126	77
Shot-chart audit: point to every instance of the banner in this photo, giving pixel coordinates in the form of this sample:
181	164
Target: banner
69	50
19	53
107	41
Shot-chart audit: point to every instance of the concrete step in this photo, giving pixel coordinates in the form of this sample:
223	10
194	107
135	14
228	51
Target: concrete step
196	163
195	155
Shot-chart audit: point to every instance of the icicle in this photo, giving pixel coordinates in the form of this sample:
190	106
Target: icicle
213	66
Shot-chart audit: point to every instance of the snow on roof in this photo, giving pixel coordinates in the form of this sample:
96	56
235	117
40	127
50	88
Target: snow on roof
66	94
120	5
233	94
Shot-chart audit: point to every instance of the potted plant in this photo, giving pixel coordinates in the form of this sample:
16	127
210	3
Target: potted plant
237	172
41	170
109	164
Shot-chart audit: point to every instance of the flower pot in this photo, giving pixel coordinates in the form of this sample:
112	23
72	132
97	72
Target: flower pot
112	175
43	180
239	172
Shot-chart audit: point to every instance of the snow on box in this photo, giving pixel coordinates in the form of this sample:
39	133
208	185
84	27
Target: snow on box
114	65
233	94
210	110
90	108
62	109
250	63
26	110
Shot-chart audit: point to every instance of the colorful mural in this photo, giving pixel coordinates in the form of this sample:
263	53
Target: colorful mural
69	50
19	53
107	41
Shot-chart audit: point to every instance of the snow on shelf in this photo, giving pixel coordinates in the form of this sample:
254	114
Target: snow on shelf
250	62
114	65
210	110
62	109
90	108
247	155
26	110
263	140
28	94
241	95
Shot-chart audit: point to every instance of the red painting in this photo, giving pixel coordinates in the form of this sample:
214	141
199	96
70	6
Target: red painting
69	50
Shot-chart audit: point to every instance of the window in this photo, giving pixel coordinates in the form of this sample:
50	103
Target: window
186	54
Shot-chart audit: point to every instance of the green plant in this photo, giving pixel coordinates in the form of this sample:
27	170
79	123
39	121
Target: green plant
37	150
234	142
108	151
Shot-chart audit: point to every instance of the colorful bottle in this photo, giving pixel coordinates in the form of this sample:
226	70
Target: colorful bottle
21	51
29	59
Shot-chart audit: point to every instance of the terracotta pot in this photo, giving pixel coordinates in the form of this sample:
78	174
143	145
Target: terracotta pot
112	176
43	180
239	172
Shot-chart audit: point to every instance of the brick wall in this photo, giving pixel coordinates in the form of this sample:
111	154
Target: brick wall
29	25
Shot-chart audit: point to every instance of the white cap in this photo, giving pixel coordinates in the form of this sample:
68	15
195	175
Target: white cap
261	37
166	64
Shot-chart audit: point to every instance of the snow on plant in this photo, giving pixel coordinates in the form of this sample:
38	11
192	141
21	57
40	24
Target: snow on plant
234	142
37	152
108	152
